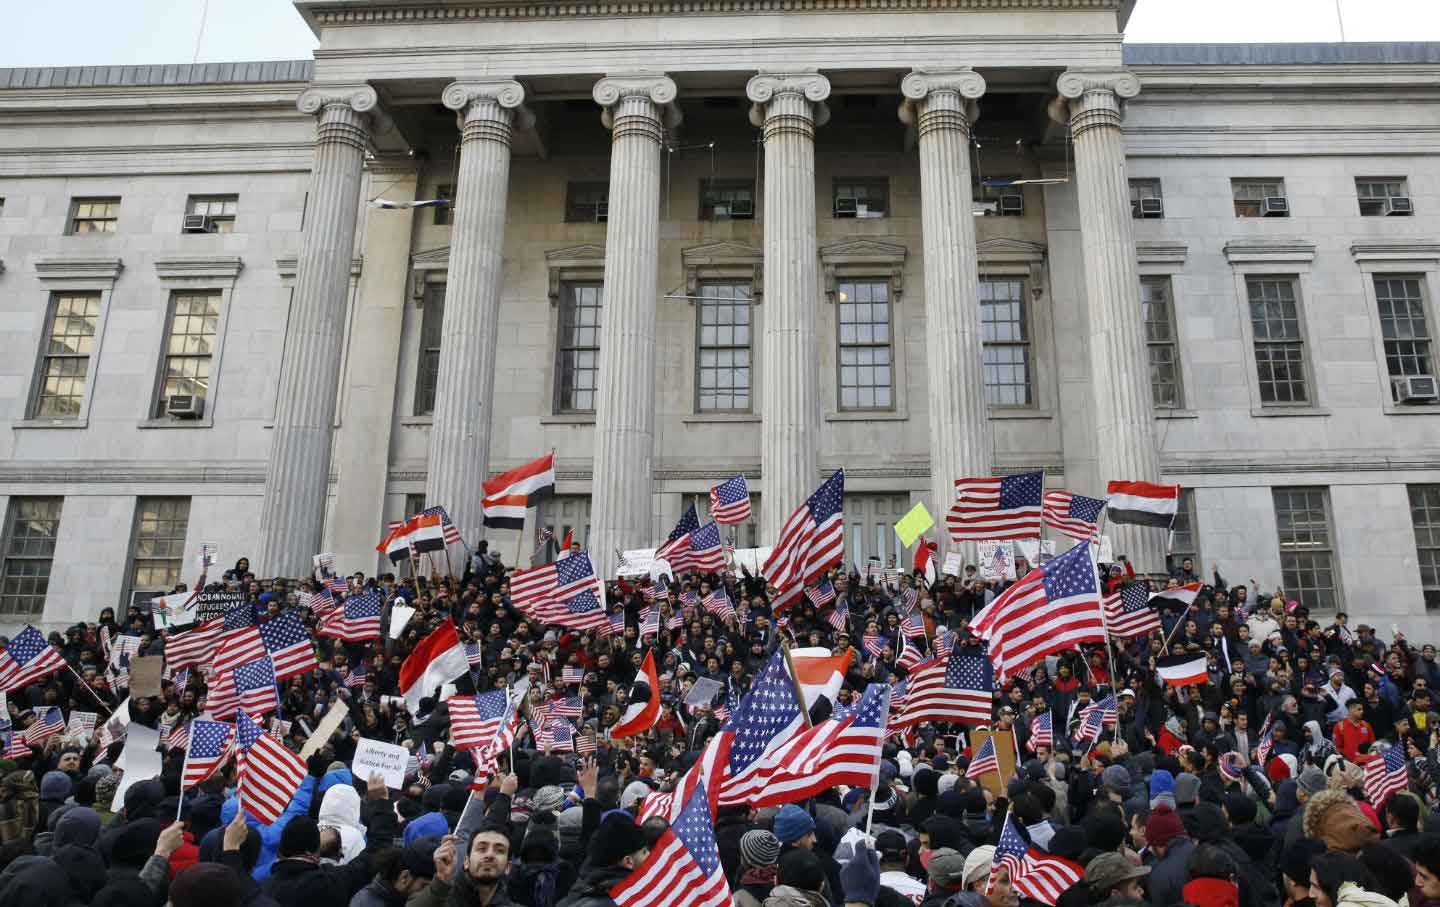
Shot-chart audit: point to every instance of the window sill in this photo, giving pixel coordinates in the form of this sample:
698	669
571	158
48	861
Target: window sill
1019	413
1417	409
702	418
568	419
412	421
1270	412
51	423
1176	414
205	422
867	415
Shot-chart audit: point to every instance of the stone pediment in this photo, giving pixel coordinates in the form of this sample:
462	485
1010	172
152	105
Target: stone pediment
585	261
867	249
724	260
725	252
863	258
1004	249
583	252
431	259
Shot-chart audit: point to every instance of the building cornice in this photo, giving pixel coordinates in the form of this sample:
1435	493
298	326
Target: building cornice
207	266
78	268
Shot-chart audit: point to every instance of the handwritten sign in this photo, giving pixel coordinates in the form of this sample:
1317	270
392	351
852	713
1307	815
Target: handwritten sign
82	724
914	524
328	725
703	692
1035	551
997	560
207	555
215	604
374	757
173	611
954	563
635	562
752	559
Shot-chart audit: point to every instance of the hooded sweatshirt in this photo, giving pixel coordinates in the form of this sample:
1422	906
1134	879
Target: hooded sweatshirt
340	809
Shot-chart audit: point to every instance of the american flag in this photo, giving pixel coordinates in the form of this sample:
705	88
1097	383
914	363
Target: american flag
1108	708
278	729
476	720
570	674
239	640
451	534
840	617
552	583
730	501
701	549
1072	514
561	735
996	508
1052	609
768	716
1267	741
910	656
322	604
723	710
845	749
1385	776
355	677
179	736
269	773
357	620
675	621
650	622
1128	613
473	655
289	645
959	688
679	539
812	539
564	707
690	598
1033	874
984	761
181	679
209	748
873	644
616	625
683	868
27	659
15	746
582	611
255	686
1091	724
584	744
1042	732
718	604
47	725
944	641
820	594
913	626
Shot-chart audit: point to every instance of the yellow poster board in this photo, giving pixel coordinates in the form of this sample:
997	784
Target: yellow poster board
914	524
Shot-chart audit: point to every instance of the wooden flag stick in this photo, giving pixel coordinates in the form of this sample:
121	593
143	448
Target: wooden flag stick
93	694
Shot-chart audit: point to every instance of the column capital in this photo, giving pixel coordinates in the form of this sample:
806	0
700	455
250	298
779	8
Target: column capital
1100	91
656	87
502	100
344	107
360	98
959	87
964	81
766	86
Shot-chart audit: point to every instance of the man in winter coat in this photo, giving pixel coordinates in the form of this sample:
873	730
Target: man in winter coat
1166	837
482	881
400	874
616	848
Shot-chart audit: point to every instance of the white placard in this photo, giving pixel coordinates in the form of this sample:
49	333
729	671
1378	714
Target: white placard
376	757
139	759
82	724
954	564
752	559
399	616
703	692
1107	551
173	611
636	562
206	558
661	567
1036	551
997	559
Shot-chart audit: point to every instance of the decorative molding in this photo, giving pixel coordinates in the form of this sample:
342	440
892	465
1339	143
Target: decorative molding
814	87
78	268
505	94
920	83
864	258
1087	98
1282	251
113	473
1002	255
226	267
657	87
1073	83
583	262
288	267
1399	250
361	98
1161	253
724	259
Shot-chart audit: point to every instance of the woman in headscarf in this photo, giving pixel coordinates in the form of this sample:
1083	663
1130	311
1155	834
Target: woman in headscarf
340	810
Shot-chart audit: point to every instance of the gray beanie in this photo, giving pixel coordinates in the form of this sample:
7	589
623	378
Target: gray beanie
548	799
1187	789
1116	778
759	847
1312	780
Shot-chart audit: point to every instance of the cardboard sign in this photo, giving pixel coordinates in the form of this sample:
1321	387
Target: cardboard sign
1107	551
636	562
399	616
145	675
328	725
914	524
373	757
215	604
139	759
1004	754
997	560
954	564
206	558
81	724
703	692
174	611
752	559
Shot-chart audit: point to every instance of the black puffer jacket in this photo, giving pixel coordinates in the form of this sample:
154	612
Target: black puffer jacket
592	889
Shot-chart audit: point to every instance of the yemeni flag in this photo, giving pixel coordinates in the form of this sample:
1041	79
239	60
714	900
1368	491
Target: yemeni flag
508	495
439	659
1142	503
1182	670
396	544
820	673
1184	595
643	708
925	561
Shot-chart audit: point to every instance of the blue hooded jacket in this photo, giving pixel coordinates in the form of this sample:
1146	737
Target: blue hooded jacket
269	834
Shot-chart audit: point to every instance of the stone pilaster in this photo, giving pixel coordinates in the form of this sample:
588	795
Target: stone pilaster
788	106
940	104
459	459
1091	101
637	108
297	475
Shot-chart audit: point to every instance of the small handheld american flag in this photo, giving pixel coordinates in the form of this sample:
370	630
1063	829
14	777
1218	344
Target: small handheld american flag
730	501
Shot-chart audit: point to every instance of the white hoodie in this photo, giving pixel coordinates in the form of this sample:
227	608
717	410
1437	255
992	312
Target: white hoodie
340	809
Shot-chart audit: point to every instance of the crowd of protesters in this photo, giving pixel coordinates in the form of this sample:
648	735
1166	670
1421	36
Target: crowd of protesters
1157	812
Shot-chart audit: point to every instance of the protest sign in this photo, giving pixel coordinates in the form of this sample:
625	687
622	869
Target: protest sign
1107	551
278	729
703	692
215	604
752	559
954	564
636	562
914	524
373	757
997	560
1035	551
399	616
174	611
145	673
82	724
206	558
139	759
328	725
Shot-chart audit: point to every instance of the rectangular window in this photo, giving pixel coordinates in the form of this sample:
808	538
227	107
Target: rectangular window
861	198
587	203
872	519
1425	514
65	356
727	199
414	503
579	347
157	551
93	215
442	212
1279	346
432	317
1159	313
865	368
561	514
1006	337
1145	199
723	360
1403	326
31	528
1260	198
211	213
1183	538
189	352
1302	519
1382	196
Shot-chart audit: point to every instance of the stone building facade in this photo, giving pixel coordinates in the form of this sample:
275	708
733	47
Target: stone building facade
916	240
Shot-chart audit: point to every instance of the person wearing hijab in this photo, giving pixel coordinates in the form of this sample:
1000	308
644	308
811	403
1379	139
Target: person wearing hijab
340	810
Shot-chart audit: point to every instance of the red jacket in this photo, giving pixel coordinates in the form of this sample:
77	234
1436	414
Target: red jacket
1349	735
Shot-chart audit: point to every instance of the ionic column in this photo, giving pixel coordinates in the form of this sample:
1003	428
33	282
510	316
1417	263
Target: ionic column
789	106
1091	101
459	458
940	104
297	475
637	109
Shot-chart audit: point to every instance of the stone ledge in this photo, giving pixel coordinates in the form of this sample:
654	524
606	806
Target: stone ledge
1269	251
217	266
78	268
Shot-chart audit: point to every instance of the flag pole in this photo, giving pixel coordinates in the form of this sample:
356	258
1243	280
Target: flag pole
1109	653
94	694
874	785
795	679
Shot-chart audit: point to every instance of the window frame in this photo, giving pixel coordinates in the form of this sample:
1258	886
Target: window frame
1382	181
1312	389
73	220
1429	359
573	208
1185	508
159	397
1027	345
1257	201
860	182
568	303
1296	590
889	344
1173	343
227	221
748	346
7	538
134	560
1138	187
709	186
1405	259
433	296
1427	547
37	389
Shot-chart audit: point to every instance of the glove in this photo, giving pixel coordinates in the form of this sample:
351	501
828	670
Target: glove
860	878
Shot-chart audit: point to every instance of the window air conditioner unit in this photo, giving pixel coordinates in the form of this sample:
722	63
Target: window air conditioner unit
845	207
1012	204
1398	205
1152	207
196	223
742	207
1416	388
184	406
984	207
602	212
1275	206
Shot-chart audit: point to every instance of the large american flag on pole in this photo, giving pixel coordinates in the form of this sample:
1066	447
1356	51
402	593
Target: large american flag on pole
1051	608
207	749
1008	507
269	773
767	717
239	640
840	750
730	501
812	539
289	645
552	583
683	868
1128	612
958	688
679	537
1074	515
27	659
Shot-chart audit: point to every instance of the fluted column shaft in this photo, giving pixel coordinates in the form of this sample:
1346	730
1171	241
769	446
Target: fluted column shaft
637	109
459	458
941	106
789	106
297	475
1119	364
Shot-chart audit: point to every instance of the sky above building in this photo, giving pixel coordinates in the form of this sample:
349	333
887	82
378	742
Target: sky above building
93	32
